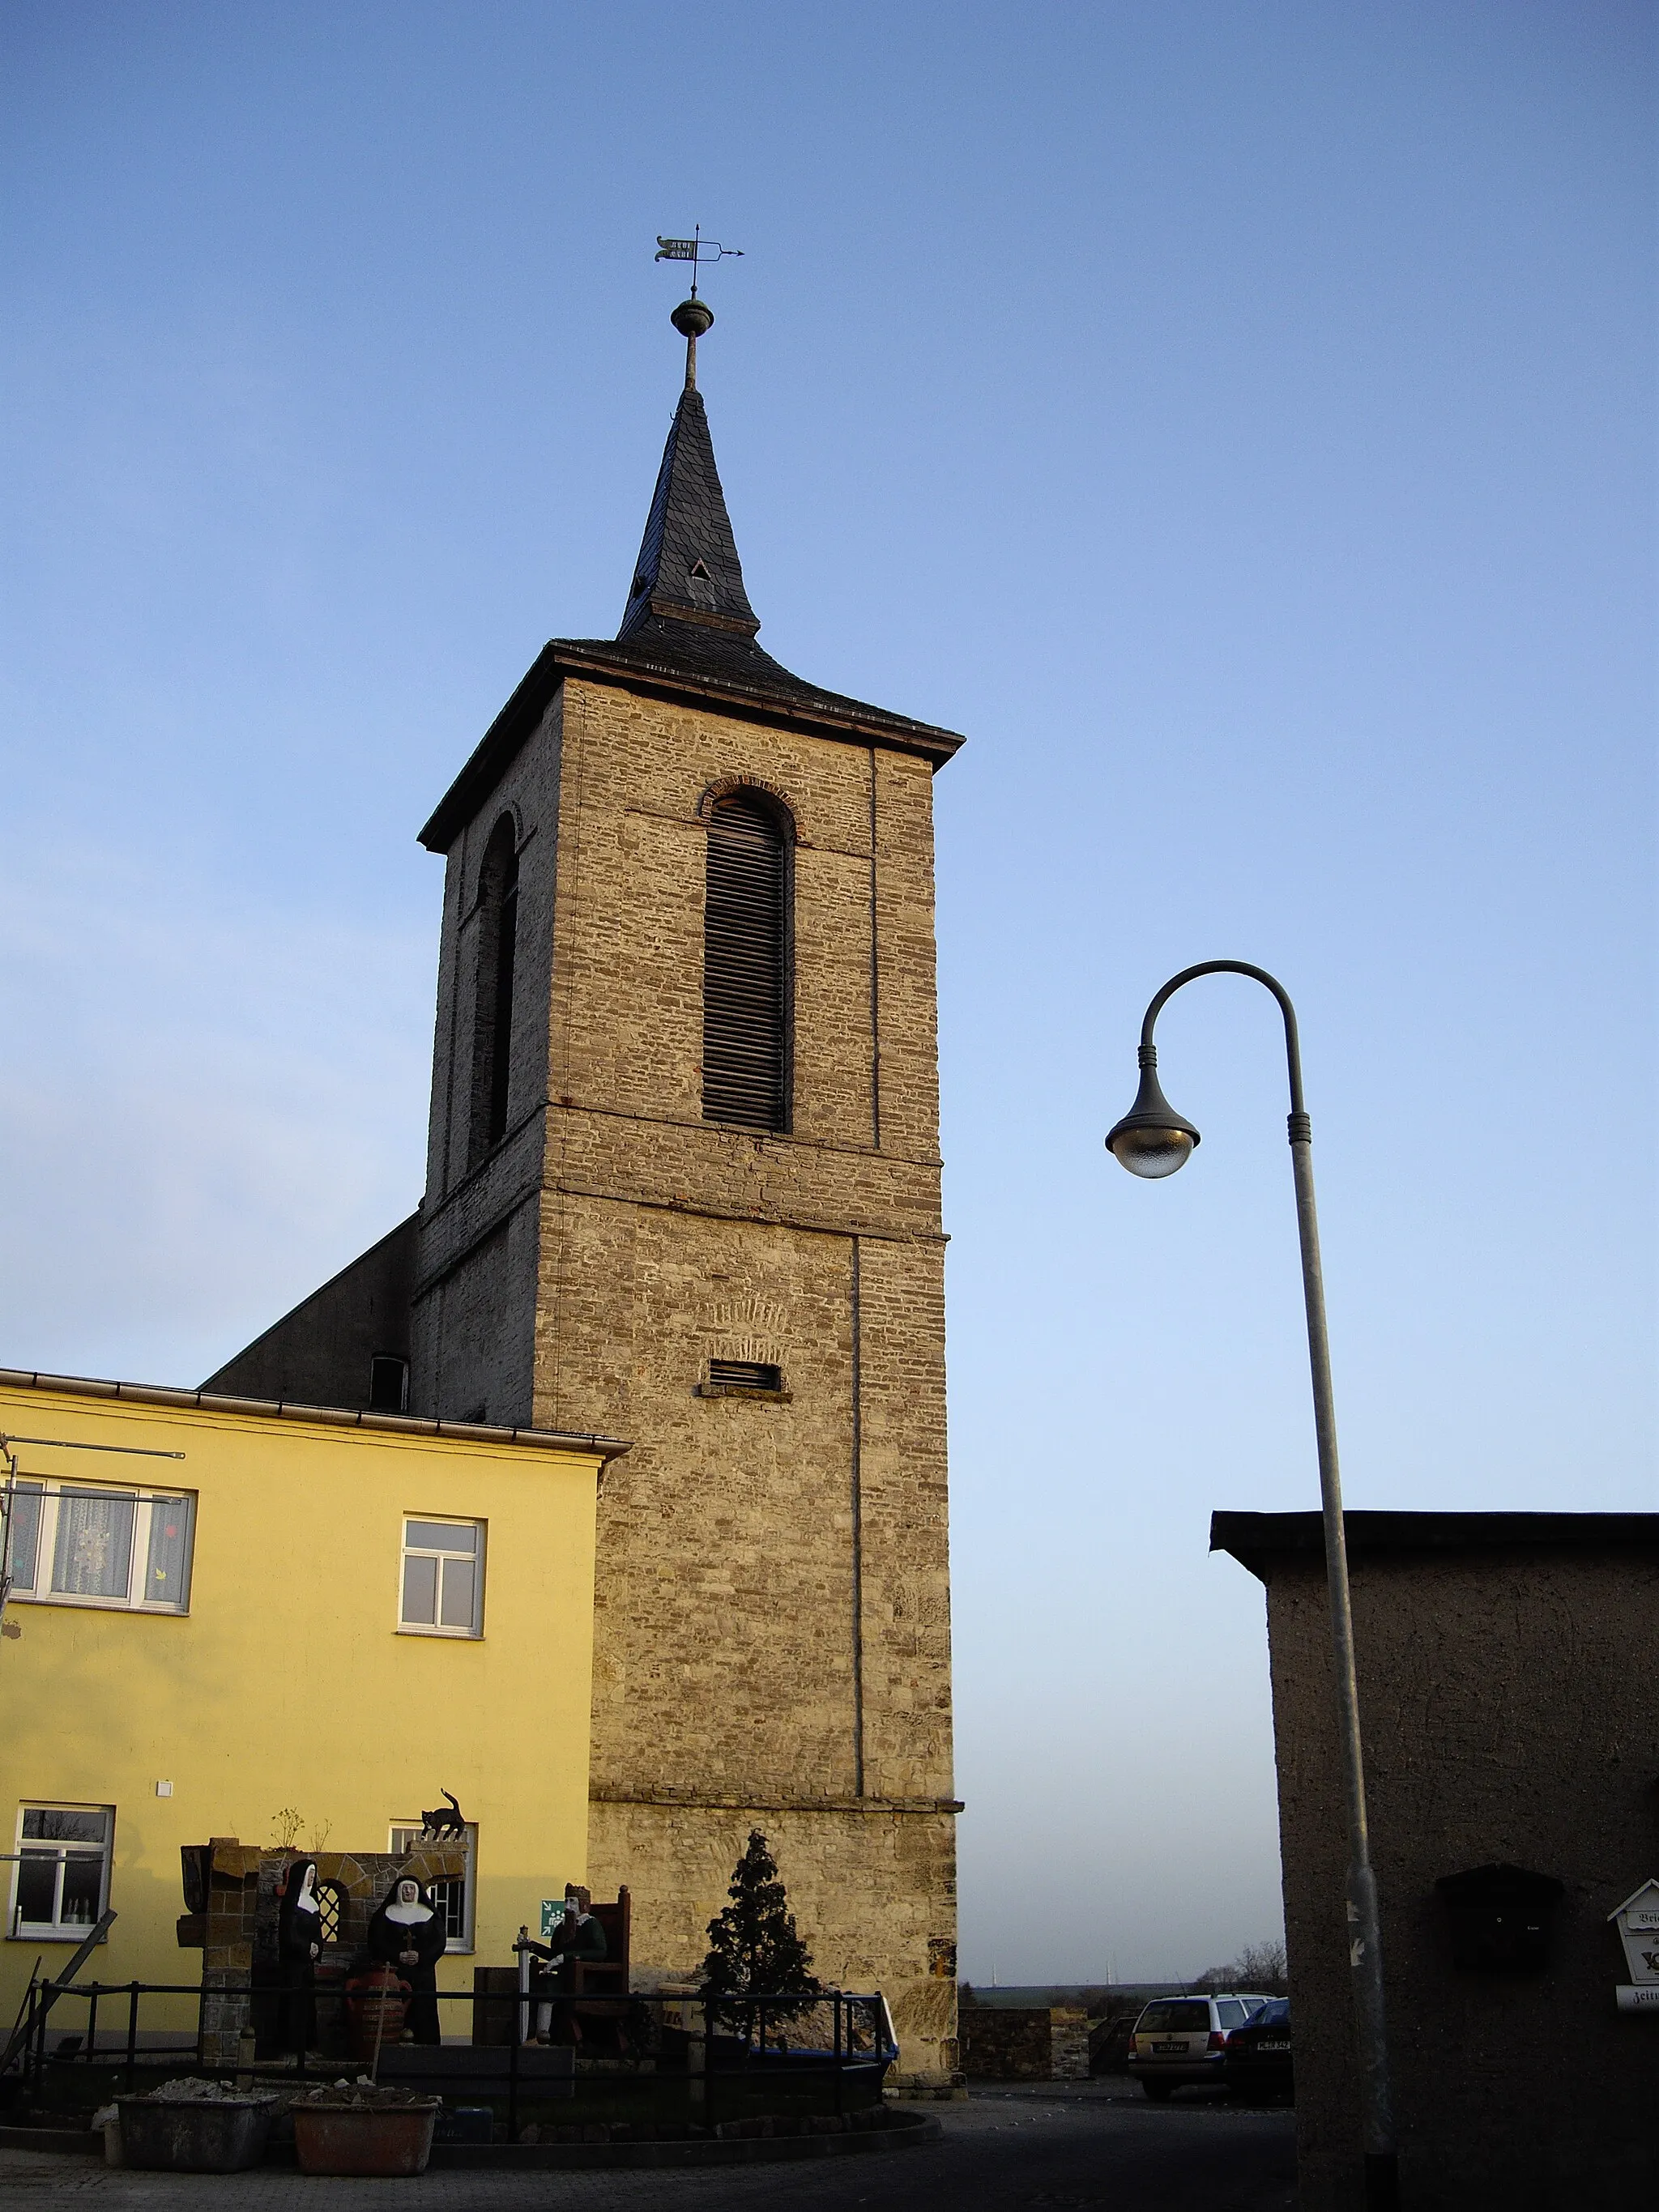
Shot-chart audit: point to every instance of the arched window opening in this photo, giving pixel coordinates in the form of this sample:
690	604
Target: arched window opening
497	923
745	972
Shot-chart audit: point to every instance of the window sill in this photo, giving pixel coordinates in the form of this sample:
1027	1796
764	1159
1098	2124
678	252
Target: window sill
740	1390
28	1935
98	1604
441	1635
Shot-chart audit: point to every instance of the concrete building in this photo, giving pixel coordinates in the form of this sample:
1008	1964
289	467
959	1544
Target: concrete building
222	1610
1508	1681
683	1182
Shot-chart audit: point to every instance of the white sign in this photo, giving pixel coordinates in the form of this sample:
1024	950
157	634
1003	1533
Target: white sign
1637	1922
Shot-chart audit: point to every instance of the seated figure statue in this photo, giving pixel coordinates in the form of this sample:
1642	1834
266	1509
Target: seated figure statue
575	1937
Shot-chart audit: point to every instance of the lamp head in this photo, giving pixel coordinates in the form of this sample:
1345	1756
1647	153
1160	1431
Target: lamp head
1151	1139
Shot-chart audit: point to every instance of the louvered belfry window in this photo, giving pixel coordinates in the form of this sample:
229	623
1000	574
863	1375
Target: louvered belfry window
745	974
496	920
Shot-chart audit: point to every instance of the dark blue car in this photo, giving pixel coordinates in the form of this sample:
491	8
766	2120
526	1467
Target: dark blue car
1257	2060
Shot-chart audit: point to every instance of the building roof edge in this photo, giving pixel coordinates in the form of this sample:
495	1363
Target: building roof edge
349	1417
1255	1540
849	720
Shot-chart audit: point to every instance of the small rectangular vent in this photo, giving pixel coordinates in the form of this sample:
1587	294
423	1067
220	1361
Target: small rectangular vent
744	1375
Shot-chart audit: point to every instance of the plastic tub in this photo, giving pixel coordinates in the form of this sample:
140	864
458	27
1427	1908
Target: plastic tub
222	2134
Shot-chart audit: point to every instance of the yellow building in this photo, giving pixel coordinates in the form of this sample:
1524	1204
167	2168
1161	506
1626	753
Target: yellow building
224	1611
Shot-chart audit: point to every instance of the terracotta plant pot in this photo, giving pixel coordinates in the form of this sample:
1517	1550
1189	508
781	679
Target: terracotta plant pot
342	2139
377	2003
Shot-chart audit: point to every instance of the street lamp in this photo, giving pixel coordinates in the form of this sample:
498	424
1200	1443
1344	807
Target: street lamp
1153	1141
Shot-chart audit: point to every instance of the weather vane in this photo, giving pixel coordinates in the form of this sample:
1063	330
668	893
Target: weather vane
696	250
693	317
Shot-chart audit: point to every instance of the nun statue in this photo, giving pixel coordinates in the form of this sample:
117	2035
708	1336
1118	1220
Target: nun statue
407	1934
299	1946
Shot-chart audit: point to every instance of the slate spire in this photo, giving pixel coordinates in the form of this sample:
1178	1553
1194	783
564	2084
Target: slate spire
688	571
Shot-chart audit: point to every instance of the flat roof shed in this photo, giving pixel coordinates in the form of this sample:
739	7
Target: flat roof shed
1509	1682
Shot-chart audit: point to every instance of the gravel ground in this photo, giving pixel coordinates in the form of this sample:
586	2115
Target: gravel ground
1005	2150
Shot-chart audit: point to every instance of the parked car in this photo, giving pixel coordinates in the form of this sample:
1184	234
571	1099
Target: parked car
1256	2062
1182	2040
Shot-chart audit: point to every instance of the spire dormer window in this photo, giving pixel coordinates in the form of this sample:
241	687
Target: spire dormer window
496	917
746	963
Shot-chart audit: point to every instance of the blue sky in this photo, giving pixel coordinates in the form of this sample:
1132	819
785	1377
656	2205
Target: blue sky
1236	418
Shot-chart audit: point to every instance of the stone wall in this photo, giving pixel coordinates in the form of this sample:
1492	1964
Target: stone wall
1025	2043
870	1888
472	1327
772	1610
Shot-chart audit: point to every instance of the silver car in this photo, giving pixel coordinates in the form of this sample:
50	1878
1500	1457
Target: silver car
1179	2040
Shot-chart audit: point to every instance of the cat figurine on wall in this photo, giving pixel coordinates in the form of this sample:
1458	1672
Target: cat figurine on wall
443	1820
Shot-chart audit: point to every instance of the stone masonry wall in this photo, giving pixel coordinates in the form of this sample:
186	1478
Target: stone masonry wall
1025	2043
871	1891
473	1317
772	1614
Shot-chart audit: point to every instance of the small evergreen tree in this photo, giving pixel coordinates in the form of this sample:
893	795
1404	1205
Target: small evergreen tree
753	1945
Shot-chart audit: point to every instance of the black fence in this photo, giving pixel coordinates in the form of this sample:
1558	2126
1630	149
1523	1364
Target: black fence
682	2061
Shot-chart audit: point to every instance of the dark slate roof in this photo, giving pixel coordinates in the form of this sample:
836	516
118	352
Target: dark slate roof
688	563
1256	1540
683	635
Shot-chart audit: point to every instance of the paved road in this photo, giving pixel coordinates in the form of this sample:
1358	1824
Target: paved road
1017	2152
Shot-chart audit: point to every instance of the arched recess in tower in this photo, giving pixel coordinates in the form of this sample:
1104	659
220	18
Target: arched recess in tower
747	932
492	1029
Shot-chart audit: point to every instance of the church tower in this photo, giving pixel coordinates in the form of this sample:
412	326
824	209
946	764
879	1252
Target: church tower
683	1187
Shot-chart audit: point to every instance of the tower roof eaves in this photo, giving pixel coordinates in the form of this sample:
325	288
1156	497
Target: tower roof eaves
680	664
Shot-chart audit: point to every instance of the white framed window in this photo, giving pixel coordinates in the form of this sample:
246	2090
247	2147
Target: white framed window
453	1898
87	1544
60	1878
443	1572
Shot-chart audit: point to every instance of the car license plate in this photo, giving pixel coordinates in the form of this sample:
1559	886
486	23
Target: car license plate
1169	2050
1265	2046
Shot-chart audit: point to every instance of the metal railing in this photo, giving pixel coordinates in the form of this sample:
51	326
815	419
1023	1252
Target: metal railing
689	2058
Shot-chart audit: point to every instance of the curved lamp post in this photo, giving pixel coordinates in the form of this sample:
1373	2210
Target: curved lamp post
1152	1139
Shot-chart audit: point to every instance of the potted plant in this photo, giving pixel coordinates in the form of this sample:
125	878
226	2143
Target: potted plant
356	2128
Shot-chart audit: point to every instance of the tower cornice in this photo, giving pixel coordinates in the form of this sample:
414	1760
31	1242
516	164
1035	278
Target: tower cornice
784	703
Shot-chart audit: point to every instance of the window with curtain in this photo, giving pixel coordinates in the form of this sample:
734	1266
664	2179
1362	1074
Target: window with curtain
746	961
77	1544
497	928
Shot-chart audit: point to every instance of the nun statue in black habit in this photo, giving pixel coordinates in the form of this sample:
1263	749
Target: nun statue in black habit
299	1946
407	1934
